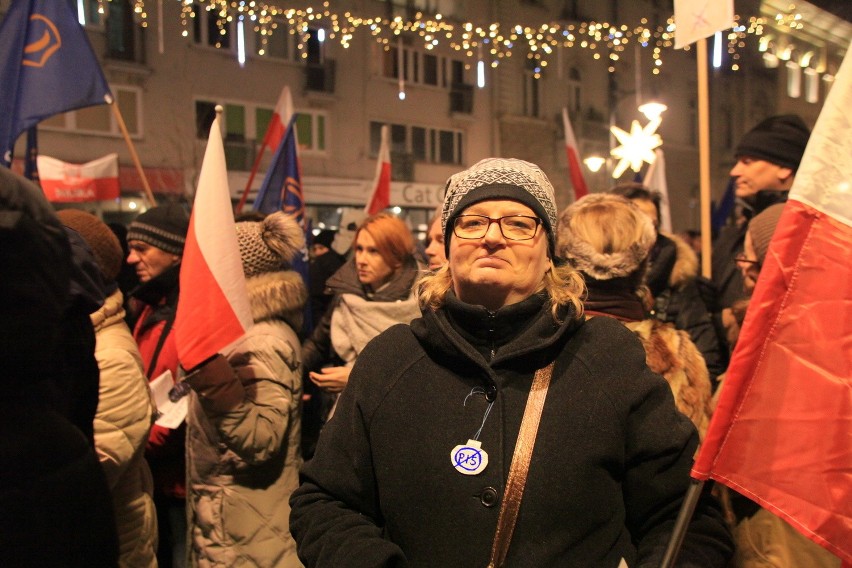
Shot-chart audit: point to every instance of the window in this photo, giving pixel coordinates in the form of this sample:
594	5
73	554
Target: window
100	119
88	13
278	42
430	69
245	127
532	95
422	67
209	29
421	143
575	99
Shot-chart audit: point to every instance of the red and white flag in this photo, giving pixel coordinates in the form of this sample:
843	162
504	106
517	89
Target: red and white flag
655	180
380	198
782	432
73	183
275	132
213	307
279	121
573	152
698	19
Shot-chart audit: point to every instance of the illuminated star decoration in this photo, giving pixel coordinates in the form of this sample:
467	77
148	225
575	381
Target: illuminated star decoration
636	147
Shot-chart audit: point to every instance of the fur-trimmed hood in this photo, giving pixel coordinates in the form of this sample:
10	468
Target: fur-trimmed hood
686	263
278	295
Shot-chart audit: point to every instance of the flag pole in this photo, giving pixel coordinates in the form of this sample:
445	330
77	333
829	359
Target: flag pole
149	195
704	157
239	208
684	516
690	500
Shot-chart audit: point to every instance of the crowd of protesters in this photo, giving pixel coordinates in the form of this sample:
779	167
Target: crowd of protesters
422	372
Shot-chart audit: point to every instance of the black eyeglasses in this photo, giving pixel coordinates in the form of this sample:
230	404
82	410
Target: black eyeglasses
512	227
741	259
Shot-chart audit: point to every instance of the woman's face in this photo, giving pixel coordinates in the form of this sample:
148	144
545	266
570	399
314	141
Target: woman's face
373	271
494	271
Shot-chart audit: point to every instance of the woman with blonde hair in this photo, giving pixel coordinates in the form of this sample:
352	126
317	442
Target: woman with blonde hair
372	292
608	239
502	428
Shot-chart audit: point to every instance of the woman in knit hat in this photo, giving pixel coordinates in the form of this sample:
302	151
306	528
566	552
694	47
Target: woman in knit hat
502	427
757	239
608	239
243	423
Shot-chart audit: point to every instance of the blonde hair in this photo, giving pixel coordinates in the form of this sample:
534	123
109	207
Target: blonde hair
563	285
394	240
605	236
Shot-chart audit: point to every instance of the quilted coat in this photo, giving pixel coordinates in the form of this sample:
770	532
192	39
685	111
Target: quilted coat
122	422
243	433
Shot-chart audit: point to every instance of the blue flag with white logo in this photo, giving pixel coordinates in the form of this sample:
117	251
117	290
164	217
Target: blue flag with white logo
46	67
281	190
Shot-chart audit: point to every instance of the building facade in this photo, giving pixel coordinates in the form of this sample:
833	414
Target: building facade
450	98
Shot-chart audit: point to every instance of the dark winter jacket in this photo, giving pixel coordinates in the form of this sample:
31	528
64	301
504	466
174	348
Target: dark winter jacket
608	473
682	304
54	498
729	244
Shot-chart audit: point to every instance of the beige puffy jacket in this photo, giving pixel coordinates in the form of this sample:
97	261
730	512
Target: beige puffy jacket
123	419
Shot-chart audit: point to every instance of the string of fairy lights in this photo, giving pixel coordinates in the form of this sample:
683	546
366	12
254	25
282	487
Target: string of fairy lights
492	42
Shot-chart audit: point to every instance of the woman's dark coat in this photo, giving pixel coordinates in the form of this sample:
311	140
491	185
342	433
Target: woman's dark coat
608	473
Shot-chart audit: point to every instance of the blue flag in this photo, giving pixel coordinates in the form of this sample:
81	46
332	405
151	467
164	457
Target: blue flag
281	190
46	67
724	208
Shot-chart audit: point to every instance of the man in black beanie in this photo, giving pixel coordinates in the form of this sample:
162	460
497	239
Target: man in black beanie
767	156
156	239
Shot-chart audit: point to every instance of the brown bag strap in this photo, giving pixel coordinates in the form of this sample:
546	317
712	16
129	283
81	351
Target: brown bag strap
520	466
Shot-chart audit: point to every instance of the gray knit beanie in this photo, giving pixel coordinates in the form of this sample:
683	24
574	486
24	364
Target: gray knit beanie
500	178
269	245
164	227
762	227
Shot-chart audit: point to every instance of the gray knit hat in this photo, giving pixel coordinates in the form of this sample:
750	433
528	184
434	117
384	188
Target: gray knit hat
164	227
636	239
269	245
762	227
500	178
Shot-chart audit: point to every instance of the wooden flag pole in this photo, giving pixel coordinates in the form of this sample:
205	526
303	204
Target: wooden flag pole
704	157
149	195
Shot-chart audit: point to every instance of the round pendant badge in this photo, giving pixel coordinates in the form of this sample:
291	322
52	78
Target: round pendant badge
470	458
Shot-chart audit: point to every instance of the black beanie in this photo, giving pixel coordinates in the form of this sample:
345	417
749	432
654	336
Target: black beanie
778	139
163	227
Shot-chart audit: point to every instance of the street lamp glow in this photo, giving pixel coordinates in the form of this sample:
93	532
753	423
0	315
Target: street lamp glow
653	110
594	163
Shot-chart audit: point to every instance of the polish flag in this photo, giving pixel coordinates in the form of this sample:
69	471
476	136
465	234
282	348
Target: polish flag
74	183
213	307
281	116
577	180
279	121
380	199
782	432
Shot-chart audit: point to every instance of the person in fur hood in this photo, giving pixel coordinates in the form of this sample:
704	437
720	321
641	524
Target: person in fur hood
244	418
680	294
608	238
